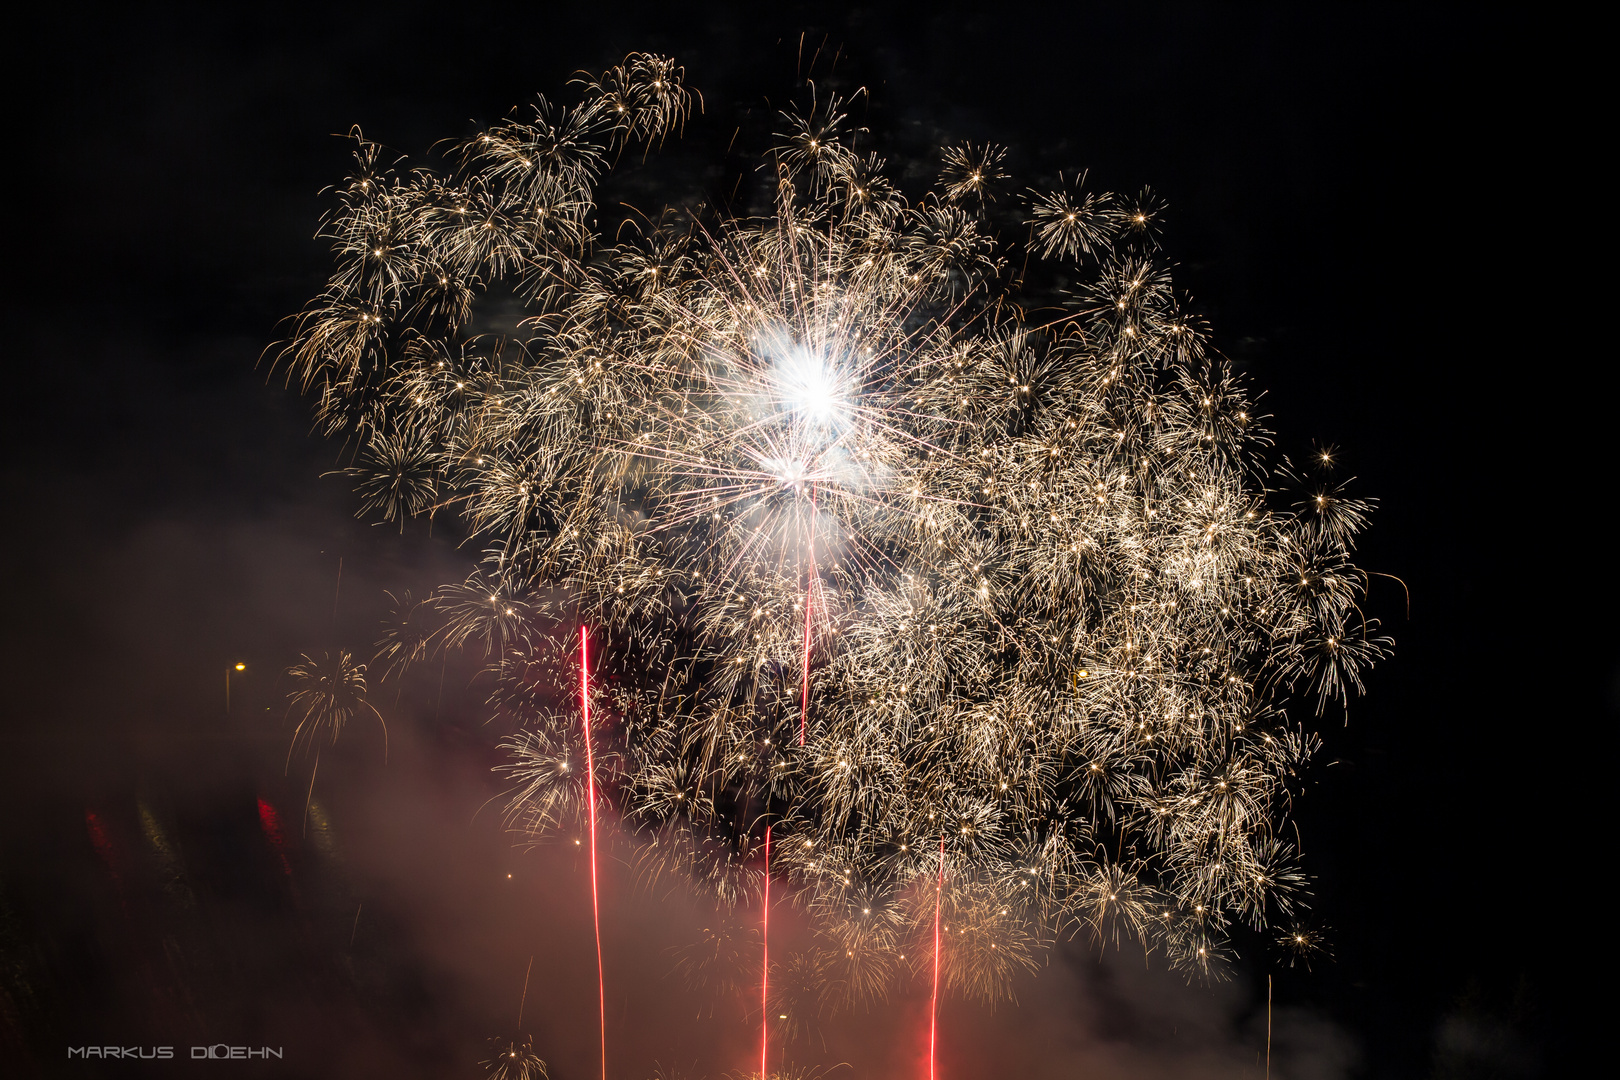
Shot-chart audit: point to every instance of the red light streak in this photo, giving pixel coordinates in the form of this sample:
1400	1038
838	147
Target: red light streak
933	1008
98	839
104	848
590	803
765	971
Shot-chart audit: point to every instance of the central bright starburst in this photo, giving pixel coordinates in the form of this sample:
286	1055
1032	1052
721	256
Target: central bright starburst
812	388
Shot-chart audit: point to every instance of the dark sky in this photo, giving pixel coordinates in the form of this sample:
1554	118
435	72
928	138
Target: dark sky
1347	186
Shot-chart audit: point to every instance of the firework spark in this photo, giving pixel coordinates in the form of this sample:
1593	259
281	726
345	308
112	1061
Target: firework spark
874	555
511	1060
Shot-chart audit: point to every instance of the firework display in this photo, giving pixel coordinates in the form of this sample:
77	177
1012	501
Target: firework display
982	608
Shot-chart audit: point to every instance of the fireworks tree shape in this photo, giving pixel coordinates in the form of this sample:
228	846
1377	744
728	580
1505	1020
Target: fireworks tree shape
987	605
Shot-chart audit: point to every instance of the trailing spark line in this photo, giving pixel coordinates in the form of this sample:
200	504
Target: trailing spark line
809	604
933	1004
590	802
765	966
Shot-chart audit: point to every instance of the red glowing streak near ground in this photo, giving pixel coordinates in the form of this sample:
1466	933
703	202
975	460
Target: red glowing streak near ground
270	821
809	599
98	838
590	803
765	973
104	848
933	1008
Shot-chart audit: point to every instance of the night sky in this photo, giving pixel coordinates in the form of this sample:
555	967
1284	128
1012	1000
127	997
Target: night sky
1346	183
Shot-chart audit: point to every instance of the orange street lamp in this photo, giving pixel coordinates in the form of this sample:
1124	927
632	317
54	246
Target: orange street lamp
236	667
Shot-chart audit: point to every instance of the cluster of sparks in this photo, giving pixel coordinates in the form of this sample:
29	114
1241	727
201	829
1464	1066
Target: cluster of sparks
984	617
512	1060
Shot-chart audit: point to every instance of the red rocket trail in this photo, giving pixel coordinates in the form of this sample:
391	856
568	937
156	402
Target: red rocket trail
765	974
933	1008
590	802
809	598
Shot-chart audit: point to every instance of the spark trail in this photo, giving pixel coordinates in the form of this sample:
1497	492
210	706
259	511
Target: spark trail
765	970
590	802
933	1004
809	604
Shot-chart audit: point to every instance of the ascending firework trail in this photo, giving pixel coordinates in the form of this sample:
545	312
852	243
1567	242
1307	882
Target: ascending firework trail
590	803
765	977
933	1003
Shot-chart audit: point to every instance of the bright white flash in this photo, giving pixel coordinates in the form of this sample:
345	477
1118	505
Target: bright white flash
812	387
790	473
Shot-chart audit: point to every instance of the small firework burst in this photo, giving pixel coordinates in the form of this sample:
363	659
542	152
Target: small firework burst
328	693
1305	944
512	1060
